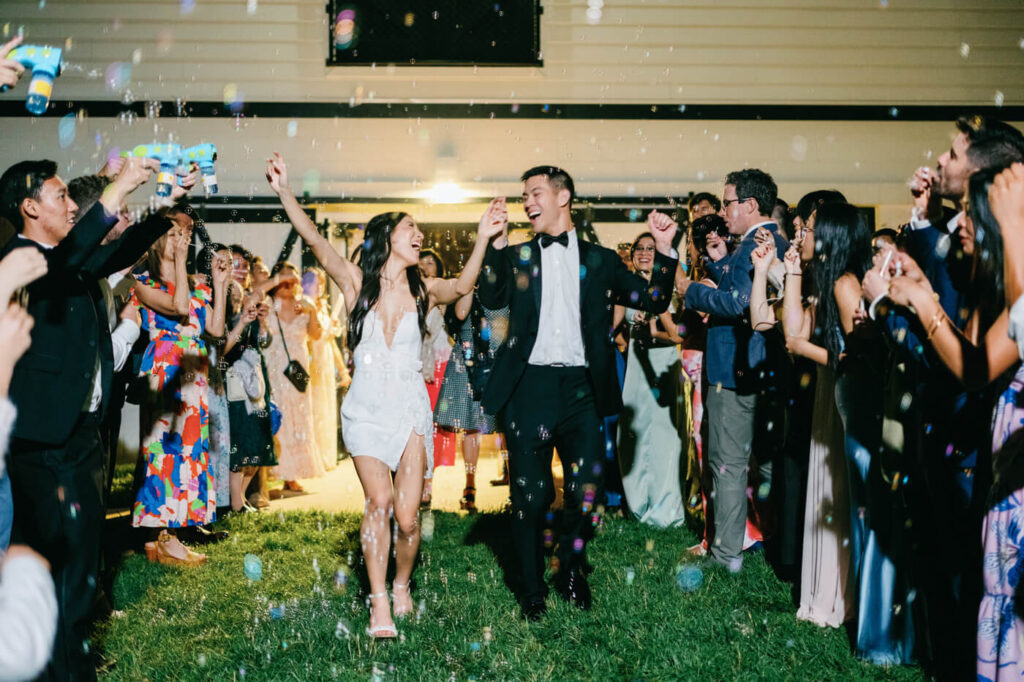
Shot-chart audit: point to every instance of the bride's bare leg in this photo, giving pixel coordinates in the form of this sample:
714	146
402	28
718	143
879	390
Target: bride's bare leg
375	533
408	488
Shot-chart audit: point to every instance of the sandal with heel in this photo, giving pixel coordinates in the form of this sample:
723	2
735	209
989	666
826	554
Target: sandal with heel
468	501
381	631
400	586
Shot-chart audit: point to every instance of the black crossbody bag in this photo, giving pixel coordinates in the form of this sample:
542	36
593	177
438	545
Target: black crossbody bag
295	372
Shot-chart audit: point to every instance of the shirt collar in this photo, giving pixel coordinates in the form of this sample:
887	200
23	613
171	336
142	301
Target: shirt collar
48	247
754	227
952	226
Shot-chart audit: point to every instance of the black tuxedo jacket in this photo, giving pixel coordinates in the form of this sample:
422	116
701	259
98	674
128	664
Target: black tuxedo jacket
512	277
53	381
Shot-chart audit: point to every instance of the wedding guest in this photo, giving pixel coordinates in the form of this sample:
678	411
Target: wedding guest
17	269
702	204
735	378
248	394
458	405
28	604
62	384
980	355
437	347
176	489
323	374
649	444
294	318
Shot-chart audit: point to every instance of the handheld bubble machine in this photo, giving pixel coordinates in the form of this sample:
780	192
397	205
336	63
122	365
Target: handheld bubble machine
169	157
44	63
205	155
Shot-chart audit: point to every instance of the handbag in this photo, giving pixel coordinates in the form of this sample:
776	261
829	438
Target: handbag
295	372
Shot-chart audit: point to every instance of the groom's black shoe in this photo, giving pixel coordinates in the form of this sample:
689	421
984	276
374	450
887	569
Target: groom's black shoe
573	588
534	610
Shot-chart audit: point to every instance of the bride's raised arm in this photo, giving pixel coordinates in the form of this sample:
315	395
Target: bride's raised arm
344	272
493	222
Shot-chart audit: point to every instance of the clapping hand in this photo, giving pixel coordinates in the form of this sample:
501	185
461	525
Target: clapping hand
19	268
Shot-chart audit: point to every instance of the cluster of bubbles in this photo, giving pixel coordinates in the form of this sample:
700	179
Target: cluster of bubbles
345	29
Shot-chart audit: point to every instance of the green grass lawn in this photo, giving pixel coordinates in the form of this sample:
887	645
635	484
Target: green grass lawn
214	623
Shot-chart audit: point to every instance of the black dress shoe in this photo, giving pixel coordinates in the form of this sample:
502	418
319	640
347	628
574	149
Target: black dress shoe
534	610
573	588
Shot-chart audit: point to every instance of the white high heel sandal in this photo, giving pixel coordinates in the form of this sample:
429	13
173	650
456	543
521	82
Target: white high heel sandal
400	586
382	631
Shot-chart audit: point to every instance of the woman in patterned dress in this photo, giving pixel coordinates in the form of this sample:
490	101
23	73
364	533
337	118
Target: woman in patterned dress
323	374
177	487
458	405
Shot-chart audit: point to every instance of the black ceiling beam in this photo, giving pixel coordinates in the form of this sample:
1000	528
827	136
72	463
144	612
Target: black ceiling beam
644	112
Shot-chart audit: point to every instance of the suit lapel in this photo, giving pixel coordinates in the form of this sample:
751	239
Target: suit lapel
536	279
583	249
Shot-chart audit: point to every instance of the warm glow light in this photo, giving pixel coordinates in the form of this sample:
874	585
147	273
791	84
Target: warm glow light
446	193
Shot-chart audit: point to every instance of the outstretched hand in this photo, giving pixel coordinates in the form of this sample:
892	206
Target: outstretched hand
277	174
1006	197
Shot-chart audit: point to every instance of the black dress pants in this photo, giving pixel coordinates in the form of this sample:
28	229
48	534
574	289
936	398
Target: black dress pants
59	511
552	407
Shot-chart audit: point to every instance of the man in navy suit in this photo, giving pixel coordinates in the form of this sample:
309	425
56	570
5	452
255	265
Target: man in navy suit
737	362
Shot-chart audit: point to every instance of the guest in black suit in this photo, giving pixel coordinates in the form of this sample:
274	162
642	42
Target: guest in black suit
554	379
61	385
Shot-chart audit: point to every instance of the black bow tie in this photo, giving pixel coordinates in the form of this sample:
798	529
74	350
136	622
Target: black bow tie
547	240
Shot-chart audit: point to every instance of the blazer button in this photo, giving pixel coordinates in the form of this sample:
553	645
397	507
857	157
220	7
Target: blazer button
86	375
92	343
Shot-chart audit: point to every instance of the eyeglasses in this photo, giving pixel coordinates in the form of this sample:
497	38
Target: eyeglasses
726	202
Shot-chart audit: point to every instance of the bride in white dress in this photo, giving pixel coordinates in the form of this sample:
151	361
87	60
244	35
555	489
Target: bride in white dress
386	418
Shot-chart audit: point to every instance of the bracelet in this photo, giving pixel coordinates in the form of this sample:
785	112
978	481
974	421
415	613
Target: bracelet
933	326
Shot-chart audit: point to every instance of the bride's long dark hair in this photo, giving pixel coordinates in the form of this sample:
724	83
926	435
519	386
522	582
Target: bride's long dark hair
373	255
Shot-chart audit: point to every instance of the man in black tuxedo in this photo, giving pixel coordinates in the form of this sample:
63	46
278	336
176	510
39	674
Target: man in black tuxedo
554	378
61	386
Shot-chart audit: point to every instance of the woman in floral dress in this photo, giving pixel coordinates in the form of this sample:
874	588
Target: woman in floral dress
177	488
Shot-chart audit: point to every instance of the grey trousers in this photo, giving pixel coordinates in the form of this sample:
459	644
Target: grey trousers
731	431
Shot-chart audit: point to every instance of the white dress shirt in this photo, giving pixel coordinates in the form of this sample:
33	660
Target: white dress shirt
559	331
921	223
123	334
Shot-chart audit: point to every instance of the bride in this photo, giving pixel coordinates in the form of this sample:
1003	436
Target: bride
386	418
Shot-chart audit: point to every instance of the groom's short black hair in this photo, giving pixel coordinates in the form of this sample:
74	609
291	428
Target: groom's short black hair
558	178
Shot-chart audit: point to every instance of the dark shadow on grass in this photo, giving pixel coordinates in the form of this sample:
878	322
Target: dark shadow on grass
495	531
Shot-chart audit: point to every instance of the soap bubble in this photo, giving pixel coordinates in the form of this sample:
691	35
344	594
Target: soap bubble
66	131
117	76
689	578
293	128
253	567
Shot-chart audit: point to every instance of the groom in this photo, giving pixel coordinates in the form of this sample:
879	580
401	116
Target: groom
554	378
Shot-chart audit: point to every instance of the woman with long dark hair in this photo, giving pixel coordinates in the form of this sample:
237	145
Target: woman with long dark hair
842	243
981	355
386	416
